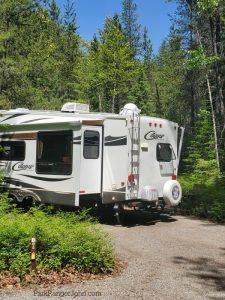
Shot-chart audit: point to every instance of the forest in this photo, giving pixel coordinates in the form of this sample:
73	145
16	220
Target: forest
44	62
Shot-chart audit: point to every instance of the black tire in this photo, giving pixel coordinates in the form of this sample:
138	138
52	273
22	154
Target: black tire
106	213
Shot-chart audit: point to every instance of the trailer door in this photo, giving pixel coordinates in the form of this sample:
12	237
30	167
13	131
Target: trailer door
91	160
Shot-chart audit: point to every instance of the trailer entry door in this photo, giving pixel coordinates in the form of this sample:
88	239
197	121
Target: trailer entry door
91	160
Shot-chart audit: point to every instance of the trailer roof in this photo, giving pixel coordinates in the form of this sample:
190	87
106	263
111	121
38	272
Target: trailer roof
16	117
25	116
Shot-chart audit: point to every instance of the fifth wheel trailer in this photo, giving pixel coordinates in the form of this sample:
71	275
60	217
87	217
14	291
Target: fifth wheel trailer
76	158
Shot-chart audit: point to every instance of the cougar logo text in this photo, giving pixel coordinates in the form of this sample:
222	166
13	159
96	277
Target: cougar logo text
152	135
21	166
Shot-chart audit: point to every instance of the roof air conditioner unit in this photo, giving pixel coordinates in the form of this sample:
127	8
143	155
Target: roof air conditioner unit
75	107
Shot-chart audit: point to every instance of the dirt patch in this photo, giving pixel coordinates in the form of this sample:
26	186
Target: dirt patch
54	278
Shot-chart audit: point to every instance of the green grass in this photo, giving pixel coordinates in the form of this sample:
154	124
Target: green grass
63	240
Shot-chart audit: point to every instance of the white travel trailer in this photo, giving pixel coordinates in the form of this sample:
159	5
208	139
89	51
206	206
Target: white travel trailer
76	158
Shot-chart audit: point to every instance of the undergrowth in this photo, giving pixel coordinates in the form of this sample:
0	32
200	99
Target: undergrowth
204	192
64	239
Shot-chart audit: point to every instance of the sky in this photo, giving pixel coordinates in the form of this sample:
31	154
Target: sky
154	14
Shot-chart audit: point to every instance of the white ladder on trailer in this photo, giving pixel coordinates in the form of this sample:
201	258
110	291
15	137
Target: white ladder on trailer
134	156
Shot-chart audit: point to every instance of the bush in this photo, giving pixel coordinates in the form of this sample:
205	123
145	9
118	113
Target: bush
204	192
63	240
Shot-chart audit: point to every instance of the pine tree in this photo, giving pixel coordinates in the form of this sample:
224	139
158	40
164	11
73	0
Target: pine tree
117	66
13	71
141	93
131	28
168	77
147	50
70	53
94	86
54	12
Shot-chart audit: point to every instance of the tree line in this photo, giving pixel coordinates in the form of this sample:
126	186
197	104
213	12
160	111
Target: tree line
44	62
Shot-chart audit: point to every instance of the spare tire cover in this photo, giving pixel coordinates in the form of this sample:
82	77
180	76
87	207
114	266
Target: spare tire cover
172	192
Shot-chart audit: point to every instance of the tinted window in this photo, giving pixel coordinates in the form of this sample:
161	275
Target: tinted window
12	150
165	152
91	144
54	153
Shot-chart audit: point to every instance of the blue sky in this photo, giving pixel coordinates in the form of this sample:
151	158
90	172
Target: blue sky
152	13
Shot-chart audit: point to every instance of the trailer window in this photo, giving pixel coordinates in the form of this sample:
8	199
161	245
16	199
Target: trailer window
54	153
12	150
164	152
91	144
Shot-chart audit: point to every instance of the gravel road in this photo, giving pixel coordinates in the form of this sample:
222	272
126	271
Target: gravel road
167	258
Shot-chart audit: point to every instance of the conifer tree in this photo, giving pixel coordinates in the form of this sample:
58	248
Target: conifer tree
117	65
147	50
131	28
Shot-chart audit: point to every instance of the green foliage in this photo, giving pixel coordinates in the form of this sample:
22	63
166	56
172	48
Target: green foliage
167	79
201	181
108	69
117	67
131	28
38	55
198	59
203	195
200	144
207	5
63	240
140	92
147	48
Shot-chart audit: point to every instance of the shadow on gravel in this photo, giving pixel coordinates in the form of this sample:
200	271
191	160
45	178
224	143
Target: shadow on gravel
212	225
223	249
140	218
209	272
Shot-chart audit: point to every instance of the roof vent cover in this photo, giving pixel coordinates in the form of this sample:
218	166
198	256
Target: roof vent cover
130	109
75	107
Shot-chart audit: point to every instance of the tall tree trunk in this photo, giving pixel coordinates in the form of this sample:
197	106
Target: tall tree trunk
158	101
99	101
214	121
219	103
113	99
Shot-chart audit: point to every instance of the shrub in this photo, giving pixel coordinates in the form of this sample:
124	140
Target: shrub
63	240
204	192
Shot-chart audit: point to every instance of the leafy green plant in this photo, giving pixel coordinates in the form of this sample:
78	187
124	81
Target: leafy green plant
63	240
203	184
203	192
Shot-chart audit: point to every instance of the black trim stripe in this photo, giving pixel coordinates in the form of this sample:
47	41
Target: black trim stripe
17	182
34	120
46	196
46	178
115	141
13	116
77	140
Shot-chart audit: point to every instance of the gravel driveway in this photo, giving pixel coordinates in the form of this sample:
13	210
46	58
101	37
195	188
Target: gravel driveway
170	258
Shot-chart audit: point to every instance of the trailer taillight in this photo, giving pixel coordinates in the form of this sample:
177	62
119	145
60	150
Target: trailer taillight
174	177
130	177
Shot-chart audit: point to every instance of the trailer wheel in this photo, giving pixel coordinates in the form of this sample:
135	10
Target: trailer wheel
172	192
106	213
120	214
